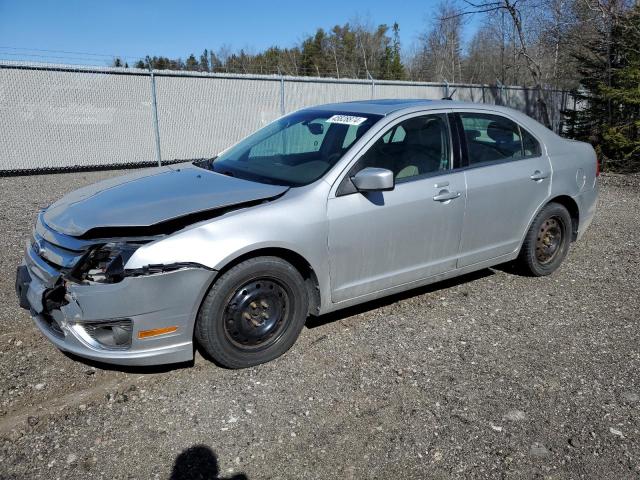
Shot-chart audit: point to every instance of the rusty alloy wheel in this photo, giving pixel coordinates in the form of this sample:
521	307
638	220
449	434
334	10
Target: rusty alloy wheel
549	239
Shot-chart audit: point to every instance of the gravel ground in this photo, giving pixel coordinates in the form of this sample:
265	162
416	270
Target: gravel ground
491	375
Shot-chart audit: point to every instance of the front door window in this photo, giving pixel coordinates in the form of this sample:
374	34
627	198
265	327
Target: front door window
412	148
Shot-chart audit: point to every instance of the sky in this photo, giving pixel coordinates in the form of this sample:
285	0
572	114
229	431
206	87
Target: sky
93	32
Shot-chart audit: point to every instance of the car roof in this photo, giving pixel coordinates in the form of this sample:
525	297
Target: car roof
385	107
391	105
376	107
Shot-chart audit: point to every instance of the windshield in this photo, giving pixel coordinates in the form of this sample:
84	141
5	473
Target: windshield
294	150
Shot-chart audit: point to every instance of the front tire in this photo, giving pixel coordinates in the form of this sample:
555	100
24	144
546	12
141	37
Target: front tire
547	242
253	313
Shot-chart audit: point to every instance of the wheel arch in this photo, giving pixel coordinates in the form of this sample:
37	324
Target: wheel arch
573	209
299	263
571	206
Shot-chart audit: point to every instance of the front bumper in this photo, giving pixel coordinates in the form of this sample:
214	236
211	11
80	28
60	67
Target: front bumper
148	302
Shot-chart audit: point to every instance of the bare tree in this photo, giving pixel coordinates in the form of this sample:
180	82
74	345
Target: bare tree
484	62
513	9
439	55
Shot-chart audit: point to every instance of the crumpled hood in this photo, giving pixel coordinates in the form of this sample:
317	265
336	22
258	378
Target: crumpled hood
152	196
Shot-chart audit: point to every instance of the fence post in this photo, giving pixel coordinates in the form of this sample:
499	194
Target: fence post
500	91
282	108
373	86
154	109
446	89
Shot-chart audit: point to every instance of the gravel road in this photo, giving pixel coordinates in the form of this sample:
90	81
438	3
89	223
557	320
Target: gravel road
491	375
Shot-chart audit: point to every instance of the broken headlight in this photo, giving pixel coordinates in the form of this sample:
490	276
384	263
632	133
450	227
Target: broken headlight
104	263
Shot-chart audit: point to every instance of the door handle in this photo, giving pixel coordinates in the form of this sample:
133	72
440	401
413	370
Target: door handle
538	175
446	195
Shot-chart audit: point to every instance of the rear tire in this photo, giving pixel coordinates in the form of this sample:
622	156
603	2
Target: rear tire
253	313
547	242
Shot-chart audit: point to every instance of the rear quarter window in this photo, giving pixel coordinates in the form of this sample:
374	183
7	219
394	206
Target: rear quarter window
530	146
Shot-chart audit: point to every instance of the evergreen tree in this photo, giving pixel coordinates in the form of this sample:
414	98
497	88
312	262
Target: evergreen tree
396	67
204	61
191	63
160	63
269	61
609	116
215	64
384	67
314	61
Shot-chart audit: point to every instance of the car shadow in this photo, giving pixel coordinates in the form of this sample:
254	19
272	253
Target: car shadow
511	268
314	322
199	462
134	369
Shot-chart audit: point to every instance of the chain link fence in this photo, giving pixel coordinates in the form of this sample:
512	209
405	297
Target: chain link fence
55	117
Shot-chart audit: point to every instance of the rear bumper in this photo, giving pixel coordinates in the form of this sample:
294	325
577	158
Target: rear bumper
146	302
587	201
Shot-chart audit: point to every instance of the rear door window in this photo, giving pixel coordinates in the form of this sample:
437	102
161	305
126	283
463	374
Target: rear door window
492	138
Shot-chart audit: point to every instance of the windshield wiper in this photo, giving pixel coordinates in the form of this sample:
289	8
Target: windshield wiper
206	163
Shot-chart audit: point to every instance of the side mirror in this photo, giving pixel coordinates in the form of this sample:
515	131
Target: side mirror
373	179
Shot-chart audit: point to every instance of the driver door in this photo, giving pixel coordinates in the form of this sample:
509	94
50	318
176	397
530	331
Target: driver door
380	240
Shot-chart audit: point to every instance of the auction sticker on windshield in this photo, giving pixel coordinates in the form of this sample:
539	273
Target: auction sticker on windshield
346	119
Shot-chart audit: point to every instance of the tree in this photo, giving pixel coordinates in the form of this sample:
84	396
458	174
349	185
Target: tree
314	59
390	66
513	10
215	64
484	62
191	63
204	61
440	53
397	69
556	35
609	66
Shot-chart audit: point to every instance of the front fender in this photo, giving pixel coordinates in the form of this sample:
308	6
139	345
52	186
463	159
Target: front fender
296	222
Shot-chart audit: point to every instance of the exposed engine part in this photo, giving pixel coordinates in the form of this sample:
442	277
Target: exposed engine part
160	268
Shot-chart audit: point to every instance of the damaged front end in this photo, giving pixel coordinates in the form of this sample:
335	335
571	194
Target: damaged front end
84	300
103	263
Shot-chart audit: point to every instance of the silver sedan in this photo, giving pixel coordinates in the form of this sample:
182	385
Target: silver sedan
322	209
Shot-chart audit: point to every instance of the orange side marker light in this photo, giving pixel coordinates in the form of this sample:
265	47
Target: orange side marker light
156	331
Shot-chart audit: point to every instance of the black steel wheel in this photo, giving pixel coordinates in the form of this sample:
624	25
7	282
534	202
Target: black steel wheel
547	242
256	313
253	313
